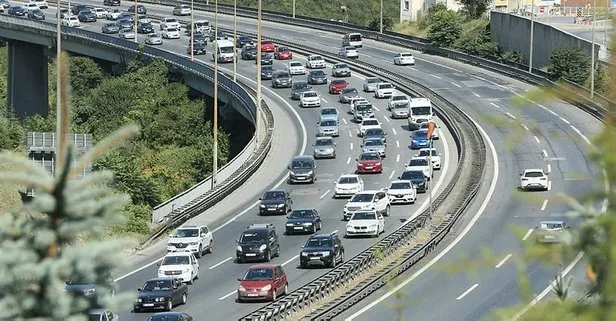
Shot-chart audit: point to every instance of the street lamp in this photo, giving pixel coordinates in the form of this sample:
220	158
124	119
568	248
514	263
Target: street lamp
192	30
293	9
381	24
215	145
592	54
235	39
135	20
258	111
532	31
58	72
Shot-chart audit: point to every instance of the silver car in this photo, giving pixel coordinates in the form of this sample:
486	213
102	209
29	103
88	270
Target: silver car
127	34
370	84
551	231
347	93
325	147
374	145
363	111
153	39
328	128
341	70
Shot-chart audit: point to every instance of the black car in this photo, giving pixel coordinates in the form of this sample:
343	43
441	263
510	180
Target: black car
140	9
322	250
298	87
249	52
317	77
78	286
258	242
275	201
37	14
266	58
110	27
199	49
375	133
145	28
302	221
220	35
127	16
124	24
242	41
17	11
199	38
111	2
161	293
76	9
63	13
86	16
267	72
418	178
170	316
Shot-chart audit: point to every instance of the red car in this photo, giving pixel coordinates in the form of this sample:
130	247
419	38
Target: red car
267	46
262	282
283	53
369	163
336	86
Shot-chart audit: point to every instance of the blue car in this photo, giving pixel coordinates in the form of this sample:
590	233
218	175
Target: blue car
303	221
419	139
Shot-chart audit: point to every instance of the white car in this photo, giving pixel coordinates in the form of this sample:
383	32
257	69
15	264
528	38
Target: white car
348	52
296	68
127	34
435	157
31	6
171	33
113	15
315	61
404	58
41	4
397	99
181	265
365	223
100	13
153	39
348	185
191	238
534	179
310	99
71	21
354	101
367	124
551	231
370	83
420	164
367	201
384	90
169	23
181	10
435	134
402	192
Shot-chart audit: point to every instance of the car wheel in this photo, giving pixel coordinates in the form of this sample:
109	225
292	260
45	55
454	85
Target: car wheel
387	210
169	306
200	252
333	264
136	310
286	289
190	282
314	229
184	298
342	257
210	248
268	257
321	223
274	294
239	260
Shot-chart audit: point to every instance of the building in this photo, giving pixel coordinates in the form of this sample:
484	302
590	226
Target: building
412	10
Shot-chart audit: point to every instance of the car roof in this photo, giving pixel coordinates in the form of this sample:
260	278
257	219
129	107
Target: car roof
160	279
179	253
533	170
303	157
552	222
399	181
276	189
373	153
370	191
373	139
263	266
334	108
349	175
325	138
169	313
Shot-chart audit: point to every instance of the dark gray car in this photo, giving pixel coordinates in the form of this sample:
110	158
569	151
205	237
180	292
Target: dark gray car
281	79
111	27
266	72
298	88
302	169
341	70
347	93
317	77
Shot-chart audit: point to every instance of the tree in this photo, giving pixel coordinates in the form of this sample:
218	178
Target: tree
445	28
12	135
474	9
425	21
572	64
475	39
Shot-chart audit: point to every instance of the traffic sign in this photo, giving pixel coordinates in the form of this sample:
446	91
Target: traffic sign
578	11
541	9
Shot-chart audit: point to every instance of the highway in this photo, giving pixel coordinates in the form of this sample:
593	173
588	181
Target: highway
519	135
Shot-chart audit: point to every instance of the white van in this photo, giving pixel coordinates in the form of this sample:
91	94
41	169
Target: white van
352	39
202	26
225	50
420	111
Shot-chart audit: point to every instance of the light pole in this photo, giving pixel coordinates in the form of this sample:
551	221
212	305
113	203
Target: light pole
136	19
258	111
592	51
192	30
235	39
607	12
215	145
59	160
532	34
381	25
293	9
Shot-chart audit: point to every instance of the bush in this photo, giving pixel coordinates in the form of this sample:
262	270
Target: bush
138	220
445	28
475	39
572	64
512	56
12	135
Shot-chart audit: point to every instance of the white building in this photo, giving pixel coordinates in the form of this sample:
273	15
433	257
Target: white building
412	10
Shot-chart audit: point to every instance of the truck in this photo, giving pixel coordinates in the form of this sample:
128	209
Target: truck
225	49
420	111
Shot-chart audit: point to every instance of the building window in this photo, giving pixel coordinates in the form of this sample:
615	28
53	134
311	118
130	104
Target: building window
407	5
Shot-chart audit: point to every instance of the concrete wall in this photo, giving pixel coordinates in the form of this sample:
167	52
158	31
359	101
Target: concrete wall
512	33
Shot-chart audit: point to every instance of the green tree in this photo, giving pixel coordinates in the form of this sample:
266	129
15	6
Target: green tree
425	21
12	135
445	28
474	9
86	74
170	170
38	123
475	39
512	56
572	64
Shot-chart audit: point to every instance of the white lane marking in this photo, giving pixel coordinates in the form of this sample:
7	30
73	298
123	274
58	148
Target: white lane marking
226	296
349	160
398	143
351	146
435	76
566	121
398	158
510	115
527	235
549	169
476	95
375	108
544	205
290	260
220	263
325	101
344	120
549	183
453	83
394	130
537	139
495	105
581	135
548	110
386	118
392	174
350	134
463	233
525	127
545	153
503	261
467	291
325	194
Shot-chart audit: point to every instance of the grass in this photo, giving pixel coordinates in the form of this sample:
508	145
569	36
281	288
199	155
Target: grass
9	194
410	28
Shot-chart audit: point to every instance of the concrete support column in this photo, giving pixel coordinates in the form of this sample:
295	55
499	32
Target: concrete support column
27	79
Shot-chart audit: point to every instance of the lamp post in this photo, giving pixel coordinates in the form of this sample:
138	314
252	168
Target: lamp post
215	143
381	24
235	39
607	13
532	34
60	160
592	51
293	9
192	30
258	111
135	21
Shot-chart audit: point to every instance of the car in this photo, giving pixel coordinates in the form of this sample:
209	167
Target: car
328	128
401	192
267	72
71	21
330	113
370	200
113	15
198	38
220	35
369	163
262	282
384	90
368	123
100	13
102	315
397	98
124	24
171	33
63	13
354	101
302	169
298	88
551	231
267	46
281	78
111	2
295	68
257	242
275	201
145	28
41	4
140	9
127	34
181	265
336	86
341	70
534	179
249	52
375	133
348	185
310	99
161	293
315	61
365	223
243	41
36	14
20	11
375	145
169	22
420	164
370	84
435	134
199	48
404	58
434	156
281	53
192	238
399	110
417	178
363	110
303	221
322	250
347	93
31	6
317	77
419	139
110	28
348	52
4	5
266	58
181	10
170	316
77	285
324	147
77	8
130	16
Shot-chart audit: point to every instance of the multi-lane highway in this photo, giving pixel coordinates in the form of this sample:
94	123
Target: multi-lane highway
551	134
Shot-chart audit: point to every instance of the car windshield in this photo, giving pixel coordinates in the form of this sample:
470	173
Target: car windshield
406	55
276	195
373	80
370	122
301	85
171	20
110	25
164	317
267	69
319	242
338	82
551	226
369	157
176	260
264	55
328	123
349	91
228	49
421	110
259	274
400	185
325	142
329	111
363	107
253	236
533	174
423	153
418	162
157	285
251	49
266	42
310	94
314	58
317	73
362	198
340	66
172	30
385	86
153	35
412	175
301	213
374	132
280	49
95	316
295	64
375	142
186	232
394	98
282	75
364	216
420	134
348	180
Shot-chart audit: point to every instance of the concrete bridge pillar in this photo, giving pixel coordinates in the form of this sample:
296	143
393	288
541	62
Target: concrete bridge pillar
27	79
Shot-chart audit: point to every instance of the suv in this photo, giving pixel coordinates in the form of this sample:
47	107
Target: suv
281	78
302	169
263	282
111	2
258	242
322	249
181	265
140	9
275	201
192	238
366	201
